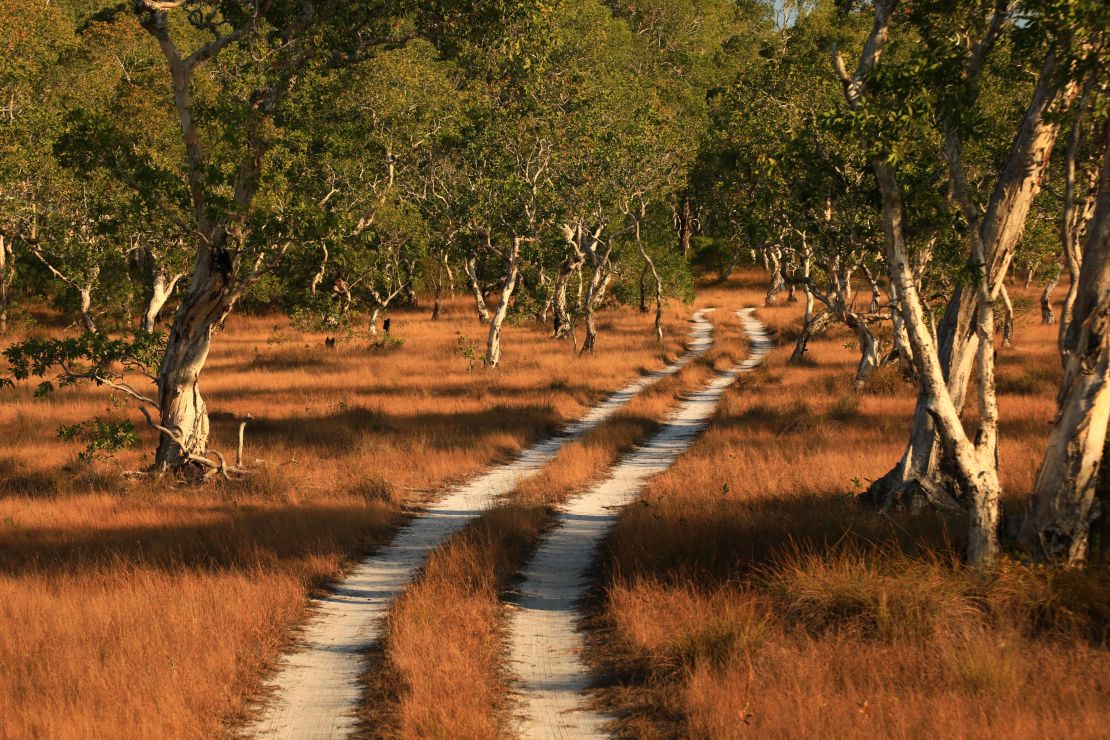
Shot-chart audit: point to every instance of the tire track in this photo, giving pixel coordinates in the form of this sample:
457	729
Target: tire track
545	645
317	690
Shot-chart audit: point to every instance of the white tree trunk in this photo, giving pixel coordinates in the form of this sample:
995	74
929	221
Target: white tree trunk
471	265
802	345
595	290
1007	318
923	468
1059	514
774	257
84	292
7	275
161	288
207	303
975	464
512	273
1048	316
572	263
869	360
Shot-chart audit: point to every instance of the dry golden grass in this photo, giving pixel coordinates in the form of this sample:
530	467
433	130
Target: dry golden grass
130	610
751	595
440	671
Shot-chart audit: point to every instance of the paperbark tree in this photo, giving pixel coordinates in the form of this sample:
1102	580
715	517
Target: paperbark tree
475	282
512	274
574	237
1058	518
7	277
975	465
923	473
232	252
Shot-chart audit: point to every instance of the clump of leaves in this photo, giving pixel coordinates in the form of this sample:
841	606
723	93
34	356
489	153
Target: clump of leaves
91	357
386	342
323	314
103	438
467	349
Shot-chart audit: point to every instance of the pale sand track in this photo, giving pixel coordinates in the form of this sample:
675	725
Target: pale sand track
317	690
545	645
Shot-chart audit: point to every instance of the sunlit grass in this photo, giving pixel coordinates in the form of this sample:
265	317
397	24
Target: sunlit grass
132	610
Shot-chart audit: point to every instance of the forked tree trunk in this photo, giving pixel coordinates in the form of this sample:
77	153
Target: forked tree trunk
975	464
802	345
922	473
869	359
774	257
1007	318
84	293
572	263
812	325
1048	316
512	274
901	339
595	291
207	303
449	272
161	288
471	265
1058	519
594	295
791	288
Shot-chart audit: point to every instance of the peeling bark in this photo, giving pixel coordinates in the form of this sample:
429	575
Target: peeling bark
774	258
598	255
1007	318
207	303
923	472
512	274
162	285
471	266
1048	316
974	463
1059	512
572	263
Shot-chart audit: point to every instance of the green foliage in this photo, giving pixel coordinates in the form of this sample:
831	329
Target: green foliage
386	343
468	350
90	357
103	438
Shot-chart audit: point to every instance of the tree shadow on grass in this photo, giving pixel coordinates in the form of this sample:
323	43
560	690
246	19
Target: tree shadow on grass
345	430
232	538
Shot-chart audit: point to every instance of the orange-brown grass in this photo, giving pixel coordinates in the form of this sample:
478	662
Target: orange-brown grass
440	671
750	595
144	610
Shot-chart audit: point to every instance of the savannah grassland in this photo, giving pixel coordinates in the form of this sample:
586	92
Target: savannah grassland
132	610
745	594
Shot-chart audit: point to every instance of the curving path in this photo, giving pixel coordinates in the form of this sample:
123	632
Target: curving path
544	643
317	690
